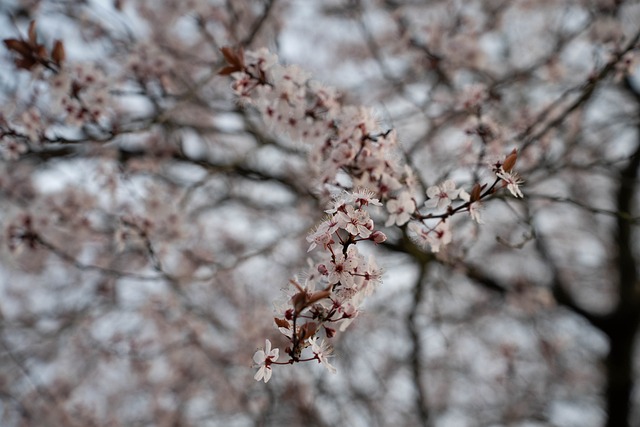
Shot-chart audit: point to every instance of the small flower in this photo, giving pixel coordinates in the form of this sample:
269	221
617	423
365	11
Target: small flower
340	201
322	352
512	181
349	312
355	221
365	197
13	149
263	359
440	236
400	209
474	211
474	207
387	183
372	277
434	237
341	269
322	235
441	195
378	237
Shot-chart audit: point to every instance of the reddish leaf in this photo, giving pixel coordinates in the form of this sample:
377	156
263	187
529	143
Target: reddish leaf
25	63
510	161
18	46
33	35
282	323
229	55
228	70
58	54
234	57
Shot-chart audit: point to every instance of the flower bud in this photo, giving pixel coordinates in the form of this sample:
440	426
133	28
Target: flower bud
322	269
330	332
378	237
288	314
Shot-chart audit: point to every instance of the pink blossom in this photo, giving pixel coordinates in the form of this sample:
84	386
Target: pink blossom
440	236
355	221
441	195
342	267
322	235
434	237
400	209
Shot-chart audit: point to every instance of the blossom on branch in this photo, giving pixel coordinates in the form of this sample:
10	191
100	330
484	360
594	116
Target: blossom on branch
400	209
434	237
355	221
263	359
512	181
441	195
349	155
322	234
322	352
341	268
474	206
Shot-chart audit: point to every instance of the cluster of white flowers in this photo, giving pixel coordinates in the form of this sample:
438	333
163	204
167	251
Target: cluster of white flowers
334	288
347	147
79	94
439	197
347	150
433	230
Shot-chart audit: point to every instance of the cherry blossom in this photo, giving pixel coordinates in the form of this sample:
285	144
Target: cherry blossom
512	181
441	195
341	268
365	197
436	237
400	209
355	221
440	236
157	191
322	352
473	208
263	359
322	234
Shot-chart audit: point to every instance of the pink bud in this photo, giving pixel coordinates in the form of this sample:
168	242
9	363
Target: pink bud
329	331
378	237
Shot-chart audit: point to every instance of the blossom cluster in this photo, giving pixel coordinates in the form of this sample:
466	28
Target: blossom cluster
347	147
347	150
333	290
433	229
71	95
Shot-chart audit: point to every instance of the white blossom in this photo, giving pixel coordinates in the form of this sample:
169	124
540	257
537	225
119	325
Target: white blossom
440	196
322	352
512	182
400	209
263	359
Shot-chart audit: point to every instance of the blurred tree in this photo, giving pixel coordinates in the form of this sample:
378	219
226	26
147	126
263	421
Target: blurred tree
163	177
